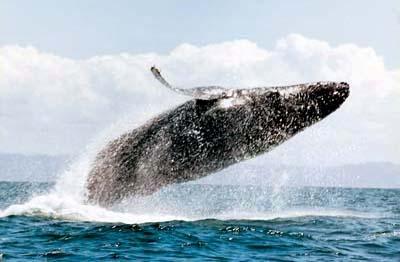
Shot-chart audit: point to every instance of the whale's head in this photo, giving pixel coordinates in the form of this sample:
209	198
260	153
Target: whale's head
258	119
301	105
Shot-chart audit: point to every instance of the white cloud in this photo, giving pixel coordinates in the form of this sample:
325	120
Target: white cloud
51	104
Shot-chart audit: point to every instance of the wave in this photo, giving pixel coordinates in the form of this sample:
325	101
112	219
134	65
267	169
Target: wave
65	208
54	206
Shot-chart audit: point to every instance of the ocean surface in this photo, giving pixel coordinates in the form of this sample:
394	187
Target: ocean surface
43	221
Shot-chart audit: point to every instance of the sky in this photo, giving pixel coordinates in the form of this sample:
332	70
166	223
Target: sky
82	29
76	73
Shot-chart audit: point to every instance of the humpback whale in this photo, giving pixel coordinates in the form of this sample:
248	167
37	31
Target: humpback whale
216	128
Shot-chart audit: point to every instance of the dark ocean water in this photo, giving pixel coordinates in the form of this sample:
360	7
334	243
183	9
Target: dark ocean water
203	222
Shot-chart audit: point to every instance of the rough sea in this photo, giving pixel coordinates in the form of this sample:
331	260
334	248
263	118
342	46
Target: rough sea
49	221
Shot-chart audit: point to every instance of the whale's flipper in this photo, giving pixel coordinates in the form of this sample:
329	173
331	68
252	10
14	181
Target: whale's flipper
202	92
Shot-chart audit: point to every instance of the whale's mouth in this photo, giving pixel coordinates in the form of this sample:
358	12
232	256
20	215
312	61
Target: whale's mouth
324	98
342	89
335	92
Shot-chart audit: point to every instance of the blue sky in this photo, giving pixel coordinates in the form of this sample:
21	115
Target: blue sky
82	29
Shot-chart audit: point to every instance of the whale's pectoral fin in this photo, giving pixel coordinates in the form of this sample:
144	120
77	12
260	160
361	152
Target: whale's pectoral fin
202	92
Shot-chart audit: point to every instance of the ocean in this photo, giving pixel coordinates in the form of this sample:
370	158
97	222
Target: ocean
198	222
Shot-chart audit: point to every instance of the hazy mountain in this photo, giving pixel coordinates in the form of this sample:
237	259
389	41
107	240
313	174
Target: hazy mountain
376	175
15	167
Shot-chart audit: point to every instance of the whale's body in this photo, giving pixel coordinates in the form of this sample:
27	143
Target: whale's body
203	136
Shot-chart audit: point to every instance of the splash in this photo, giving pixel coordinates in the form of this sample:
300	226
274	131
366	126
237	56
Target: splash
55	206
66	200
190	202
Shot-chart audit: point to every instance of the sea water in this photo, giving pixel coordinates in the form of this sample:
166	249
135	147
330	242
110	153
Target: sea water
43	221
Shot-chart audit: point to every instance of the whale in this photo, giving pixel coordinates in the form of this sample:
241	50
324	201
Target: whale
215	128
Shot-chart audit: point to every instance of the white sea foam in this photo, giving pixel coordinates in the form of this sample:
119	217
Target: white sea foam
66	208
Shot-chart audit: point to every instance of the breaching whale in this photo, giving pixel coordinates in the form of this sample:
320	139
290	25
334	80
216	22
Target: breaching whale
218	127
